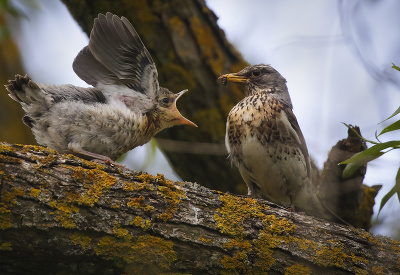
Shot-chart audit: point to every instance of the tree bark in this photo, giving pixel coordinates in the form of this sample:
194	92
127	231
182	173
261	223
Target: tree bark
61	214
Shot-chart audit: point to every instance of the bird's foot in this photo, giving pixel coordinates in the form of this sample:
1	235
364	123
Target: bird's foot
109	162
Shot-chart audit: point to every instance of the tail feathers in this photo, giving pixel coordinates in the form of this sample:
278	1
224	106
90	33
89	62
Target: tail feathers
23	89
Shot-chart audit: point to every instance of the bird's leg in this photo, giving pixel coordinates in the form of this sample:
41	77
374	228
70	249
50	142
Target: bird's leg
291	208
79	151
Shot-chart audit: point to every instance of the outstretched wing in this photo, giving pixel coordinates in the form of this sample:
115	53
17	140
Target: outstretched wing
116	56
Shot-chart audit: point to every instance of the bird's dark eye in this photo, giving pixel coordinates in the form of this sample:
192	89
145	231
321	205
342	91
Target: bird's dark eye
165	100
256	73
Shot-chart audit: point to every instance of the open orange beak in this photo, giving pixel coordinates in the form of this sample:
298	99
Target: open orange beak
181	119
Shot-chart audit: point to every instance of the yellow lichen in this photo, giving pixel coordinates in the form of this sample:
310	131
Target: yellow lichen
231	220
209	49
34	192
136	186
95	181
138	203
378	270
172	195
203	239
146	253
360	271
6	246
8	198
297	269
81	240
5	218
140	222
64	213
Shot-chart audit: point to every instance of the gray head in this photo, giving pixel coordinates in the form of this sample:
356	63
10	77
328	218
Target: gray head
260	78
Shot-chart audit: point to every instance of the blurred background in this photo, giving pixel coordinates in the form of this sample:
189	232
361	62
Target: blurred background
336	56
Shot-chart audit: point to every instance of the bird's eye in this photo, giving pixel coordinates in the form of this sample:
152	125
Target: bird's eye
256	73
165	100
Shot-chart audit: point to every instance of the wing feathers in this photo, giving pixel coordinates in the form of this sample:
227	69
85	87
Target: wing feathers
116	55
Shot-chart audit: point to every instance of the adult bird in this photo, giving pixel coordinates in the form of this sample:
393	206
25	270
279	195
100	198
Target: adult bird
125	109
265	142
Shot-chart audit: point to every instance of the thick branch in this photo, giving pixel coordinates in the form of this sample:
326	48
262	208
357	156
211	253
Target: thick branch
59	213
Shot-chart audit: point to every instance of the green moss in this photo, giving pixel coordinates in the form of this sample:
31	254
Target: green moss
81	240
297	269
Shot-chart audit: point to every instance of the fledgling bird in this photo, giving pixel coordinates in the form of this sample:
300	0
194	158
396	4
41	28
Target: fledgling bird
265	142
125	109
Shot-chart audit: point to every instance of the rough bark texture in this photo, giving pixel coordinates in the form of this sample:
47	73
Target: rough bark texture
190	52
61	214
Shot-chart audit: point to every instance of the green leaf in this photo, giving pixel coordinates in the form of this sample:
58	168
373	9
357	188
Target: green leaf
394	190
395	67
392	127
395	113
374	151
353	166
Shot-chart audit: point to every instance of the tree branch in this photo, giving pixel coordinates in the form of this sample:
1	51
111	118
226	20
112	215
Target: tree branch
59	213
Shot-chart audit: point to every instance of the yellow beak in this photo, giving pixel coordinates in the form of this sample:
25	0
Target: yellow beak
180	118
233	77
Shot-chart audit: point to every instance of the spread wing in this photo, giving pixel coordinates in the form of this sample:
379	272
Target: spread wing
116	56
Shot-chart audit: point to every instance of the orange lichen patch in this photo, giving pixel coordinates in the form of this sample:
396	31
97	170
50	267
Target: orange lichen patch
35	192
64	212
146	253
297	269
136	186
81	240
145	178
235	212
7	246
172	195
138	203
37	148
95	182
140	222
